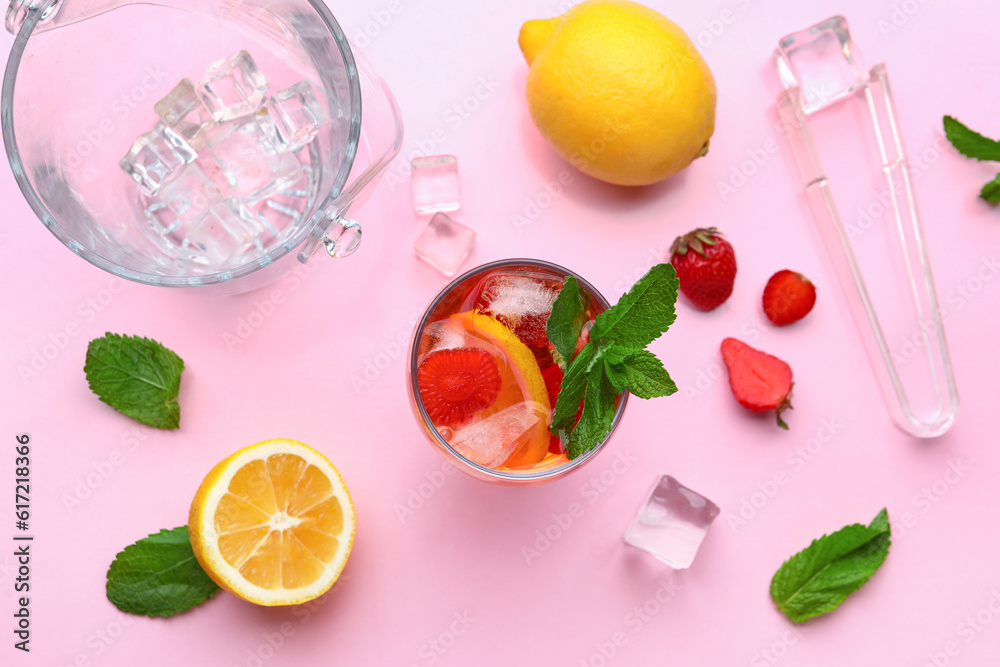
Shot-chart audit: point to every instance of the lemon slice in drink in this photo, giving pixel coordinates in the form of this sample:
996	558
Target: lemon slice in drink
521	381
273	524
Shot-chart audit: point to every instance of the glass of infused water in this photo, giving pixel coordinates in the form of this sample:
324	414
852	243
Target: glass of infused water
483	376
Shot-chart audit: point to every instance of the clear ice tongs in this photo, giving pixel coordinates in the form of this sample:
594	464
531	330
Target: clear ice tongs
834	107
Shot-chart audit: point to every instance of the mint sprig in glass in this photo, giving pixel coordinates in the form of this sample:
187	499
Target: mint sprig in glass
614	360
520	370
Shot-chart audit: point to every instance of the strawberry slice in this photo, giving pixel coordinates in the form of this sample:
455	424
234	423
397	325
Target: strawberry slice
553	376
456	383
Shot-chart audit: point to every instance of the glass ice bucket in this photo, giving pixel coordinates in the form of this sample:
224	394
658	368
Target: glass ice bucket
193	143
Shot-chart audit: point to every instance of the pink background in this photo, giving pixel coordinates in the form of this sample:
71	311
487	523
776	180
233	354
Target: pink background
443	579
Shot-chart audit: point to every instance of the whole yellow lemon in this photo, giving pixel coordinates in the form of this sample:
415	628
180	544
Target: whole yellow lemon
619	90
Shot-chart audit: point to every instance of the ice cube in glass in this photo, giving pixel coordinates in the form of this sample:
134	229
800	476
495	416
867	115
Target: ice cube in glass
279	213
162	220
293	117
304	188
232	87
278	216
250	163
192	193
672	522
184	112
435	184
220	235
522	302
490	441
443	335
445	243
156	157
181	203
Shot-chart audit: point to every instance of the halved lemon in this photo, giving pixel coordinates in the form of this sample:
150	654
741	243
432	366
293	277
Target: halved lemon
521	381
273	524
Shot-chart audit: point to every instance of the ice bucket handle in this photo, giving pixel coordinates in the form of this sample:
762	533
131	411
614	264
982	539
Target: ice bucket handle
381	139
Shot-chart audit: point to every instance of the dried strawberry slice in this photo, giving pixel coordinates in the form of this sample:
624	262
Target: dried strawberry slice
456	383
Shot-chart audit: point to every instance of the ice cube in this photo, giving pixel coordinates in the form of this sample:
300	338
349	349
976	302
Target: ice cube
822	61
220	235
181	203
305	187
490	441
445	244
293	117
156	157
442	335
522	302
435	183
277	215
191	193
249	162
672	522
232	87
163	221
184	112
281	214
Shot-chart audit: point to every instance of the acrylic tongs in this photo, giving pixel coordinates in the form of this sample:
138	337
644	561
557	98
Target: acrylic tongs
831	102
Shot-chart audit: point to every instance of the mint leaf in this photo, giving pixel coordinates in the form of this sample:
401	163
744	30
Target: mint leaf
574	386
641	373
598	414
974	145
613	356
991	191
643	313
817	579
136	376
615	360
617	375
566	319
159	576
970	143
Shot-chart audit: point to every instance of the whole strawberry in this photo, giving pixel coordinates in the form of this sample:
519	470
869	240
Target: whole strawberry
706	267
759	381
788	297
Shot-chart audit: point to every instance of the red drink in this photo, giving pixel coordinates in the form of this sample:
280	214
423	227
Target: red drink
483	377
